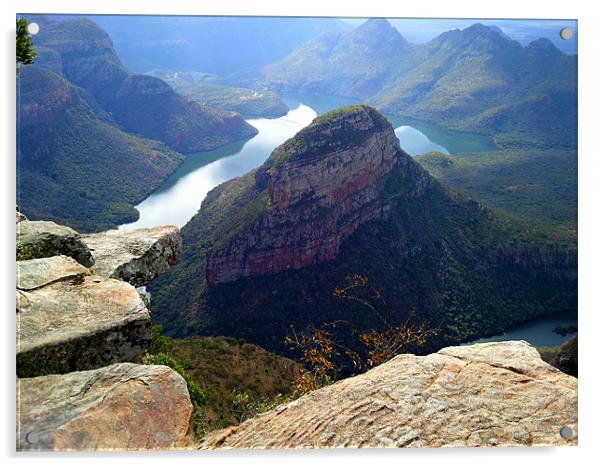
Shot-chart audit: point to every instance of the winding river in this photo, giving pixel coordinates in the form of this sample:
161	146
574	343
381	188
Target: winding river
177	200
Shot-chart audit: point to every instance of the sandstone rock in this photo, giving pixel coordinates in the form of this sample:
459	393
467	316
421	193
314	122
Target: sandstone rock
46	239
319	187
78	322
119	407
35	273
135	256
491	394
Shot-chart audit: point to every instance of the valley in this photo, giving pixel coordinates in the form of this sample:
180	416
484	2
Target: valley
180	196
288	202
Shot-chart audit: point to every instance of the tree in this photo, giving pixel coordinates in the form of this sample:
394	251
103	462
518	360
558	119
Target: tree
325	354
25	52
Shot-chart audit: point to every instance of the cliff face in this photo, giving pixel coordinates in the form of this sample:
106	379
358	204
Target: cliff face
491	394
81	329
317	189
266	250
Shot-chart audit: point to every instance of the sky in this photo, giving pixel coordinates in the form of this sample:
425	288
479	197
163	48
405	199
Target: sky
523	30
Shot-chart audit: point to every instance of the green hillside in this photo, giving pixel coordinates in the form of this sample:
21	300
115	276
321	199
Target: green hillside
538	187
72	166
139	104
436	255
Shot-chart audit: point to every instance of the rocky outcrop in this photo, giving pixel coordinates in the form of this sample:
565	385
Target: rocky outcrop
491	394
317	188
122	406
135	256
73	318
37	239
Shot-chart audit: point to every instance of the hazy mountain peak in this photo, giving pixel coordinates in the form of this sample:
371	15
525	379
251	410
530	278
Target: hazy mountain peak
543	44
379	29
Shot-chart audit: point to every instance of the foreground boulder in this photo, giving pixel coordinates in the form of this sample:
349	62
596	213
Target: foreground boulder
123	406
69	319
491	394
135	256
46	239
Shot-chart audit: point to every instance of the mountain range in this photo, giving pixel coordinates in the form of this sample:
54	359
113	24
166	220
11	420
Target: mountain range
217	45
475	79
267	250
93	138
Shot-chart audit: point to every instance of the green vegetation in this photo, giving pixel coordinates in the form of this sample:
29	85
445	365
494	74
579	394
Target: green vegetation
24	252
205	90
75	168
440	256
82	156
537	188
564	357
228	380
139	104
475	80
24	45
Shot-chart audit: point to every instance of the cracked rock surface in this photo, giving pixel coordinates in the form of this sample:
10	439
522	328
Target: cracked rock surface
490	394
122	406
79	329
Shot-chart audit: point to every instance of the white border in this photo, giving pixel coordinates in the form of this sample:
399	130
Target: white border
590	197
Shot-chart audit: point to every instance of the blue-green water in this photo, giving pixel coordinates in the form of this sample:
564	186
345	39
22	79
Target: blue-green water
178	199
538	332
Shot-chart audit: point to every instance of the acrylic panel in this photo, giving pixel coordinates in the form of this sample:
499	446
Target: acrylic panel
295	232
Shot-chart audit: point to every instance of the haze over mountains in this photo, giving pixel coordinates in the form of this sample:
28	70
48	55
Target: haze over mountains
475	79
82	115
339	198
219	45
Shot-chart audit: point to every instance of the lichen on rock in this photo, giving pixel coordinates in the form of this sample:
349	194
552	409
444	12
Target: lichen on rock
39	239
82	322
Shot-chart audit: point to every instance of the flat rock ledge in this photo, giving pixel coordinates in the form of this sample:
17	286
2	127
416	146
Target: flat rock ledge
69	319
119	407
491	394
135	256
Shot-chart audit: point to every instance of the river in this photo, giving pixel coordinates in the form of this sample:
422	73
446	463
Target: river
538	332
177	200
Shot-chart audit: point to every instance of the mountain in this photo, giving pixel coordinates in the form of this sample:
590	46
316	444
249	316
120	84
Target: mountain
219	45
352	64
204	89
479	80
267	250
143	105
73	165
476	80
